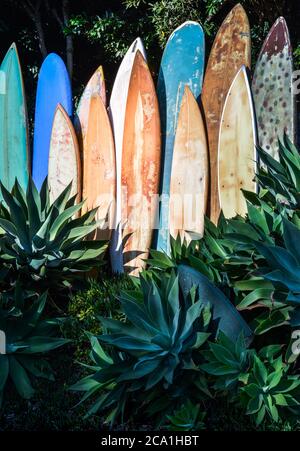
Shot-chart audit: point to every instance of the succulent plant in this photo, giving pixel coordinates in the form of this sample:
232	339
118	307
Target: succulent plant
27	339
153	356
45	245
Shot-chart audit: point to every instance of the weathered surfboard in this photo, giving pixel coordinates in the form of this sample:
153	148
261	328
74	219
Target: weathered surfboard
231	49
182	64
64	164
237	151
96	85
272	89
54	88
14	147
99	171
190	172
117	107
140	166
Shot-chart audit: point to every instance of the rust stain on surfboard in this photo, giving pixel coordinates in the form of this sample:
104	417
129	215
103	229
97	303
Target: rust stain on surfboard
140	165
231	50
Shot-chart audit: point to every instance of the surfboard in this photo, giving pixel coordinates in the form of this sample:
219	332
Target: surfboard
96	85
117	107
53	88
231	49
190	172
140	166
99	171
14	146
64	164
237	147
272	89
182	64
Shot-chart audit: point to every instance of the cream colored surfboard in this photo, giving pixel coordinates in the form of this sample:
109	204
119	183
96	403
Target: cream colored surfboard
64	159
99	171
140	166
237	151
117	107
96	85
190	172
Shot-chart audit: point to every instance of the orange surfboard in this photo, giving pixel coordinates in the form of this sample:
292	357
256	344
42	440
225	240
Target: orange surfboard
99	171
140	166
64	164
190	172
230	51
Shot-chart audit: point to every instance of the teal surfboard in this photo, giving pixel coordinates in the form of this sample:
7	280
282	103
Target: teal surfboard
14	148
182	64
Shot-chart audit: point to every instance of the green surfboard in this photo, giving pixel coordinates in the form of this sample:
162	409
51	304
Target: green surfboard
14	148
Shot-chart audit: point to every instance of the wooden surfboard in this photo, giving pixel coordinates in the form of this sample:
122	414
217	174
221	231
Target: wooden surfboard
182	64
140	166
64	160
117	107
231	49
190	172
96	85
99	171
14	146
272	89
237	151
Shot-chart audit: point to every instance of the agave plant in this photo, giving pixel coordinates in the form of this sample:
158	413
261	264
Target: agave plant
152	358
227	361
27	339
187	418
268	388
43	243
280	180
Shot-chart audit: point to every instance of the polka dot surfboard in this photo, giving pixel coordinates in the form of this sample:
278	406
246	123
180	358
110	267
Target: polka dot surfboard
272	89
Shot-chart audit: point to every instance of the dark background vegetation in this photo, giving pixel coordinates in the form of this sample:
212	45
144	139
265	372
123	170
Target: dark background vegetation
92	32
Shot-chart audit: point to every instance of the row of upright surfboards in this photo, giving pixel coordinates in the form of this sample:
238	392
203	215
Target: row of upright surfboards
191	141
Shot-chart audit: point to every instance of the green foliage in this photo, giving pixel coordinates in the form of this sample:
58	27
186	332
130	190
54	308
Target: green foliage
98	299
28	337
228	360
187	418
268	388
44	245
261	382
153	356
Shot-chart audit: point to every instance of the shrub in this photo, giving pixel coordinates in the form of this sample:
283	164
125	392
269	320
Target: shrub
27	338
45	245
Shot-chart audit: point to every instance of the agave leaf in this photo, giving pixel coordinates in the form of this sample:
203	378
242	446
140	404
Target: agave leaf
38	344
62	219
230	321
278	258
39	368
29	321
20	378
4	371
33	209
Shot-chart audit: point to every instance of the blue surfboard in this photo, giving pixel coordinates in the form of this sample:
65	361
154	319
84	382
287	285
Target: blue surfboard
54	87
182	64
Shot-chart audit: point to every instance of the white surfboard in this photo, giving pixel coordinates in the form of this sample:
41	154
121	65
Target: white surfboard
117	107
237	147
